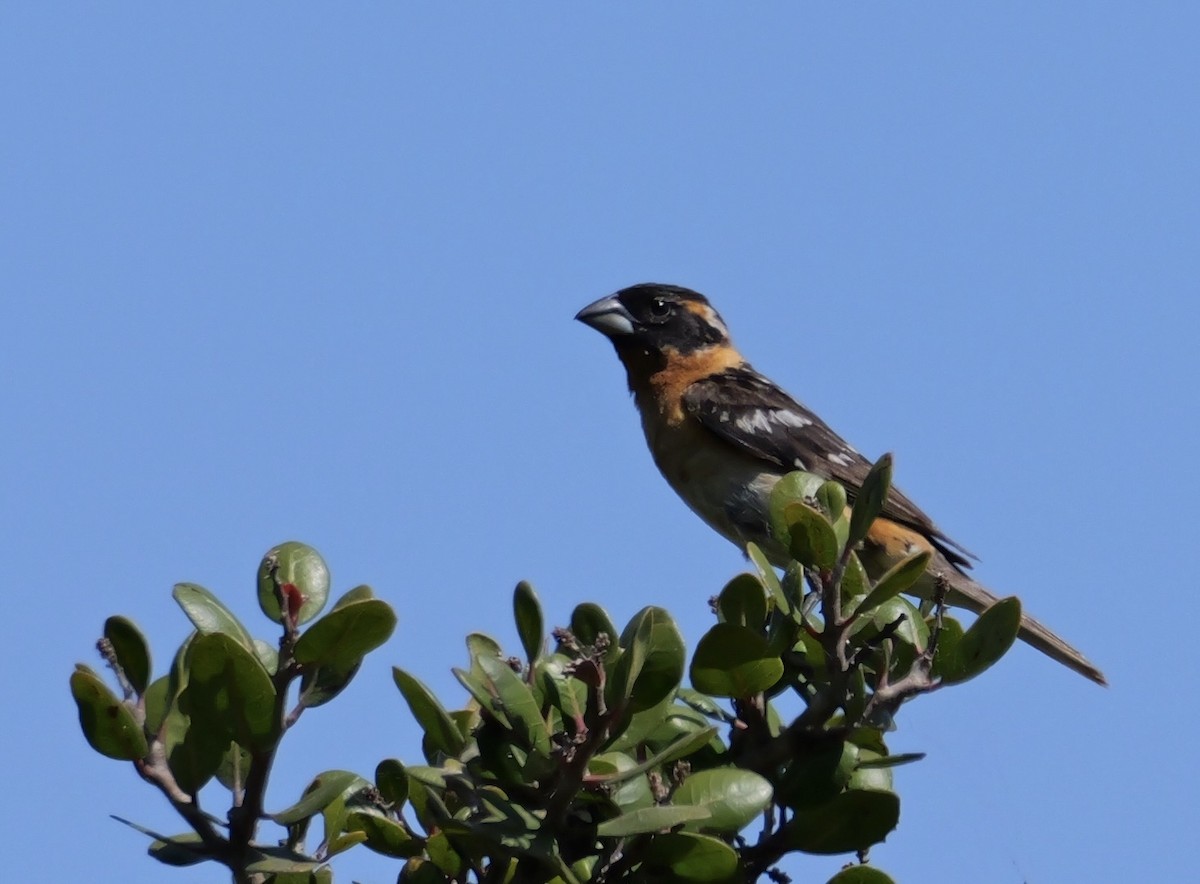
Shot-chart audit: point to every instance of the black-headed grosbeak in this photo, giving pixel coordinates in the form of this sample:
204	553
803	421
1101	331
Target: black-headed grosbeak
722	435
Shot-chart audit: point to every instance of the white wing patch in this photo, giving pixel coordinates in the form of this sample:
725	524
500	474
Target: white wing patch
791	419
759	420
754	421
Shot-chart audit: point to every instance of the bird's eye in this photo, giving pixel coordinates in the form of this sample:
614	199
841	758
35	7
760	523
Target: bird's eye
660	309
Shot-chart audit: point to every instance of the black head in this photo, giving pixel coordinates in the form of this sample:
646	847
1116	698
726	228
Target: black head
651	318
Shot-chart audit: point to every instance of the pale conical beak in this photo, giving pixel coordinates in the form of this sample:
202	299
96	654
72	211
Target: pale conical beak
607	316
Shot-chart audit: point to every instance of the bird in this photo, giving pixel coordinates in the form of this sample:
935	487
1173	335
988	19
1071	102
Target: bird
723	435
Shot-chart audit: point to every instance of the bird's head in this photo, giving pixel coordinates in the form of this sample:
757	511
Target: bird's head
649	321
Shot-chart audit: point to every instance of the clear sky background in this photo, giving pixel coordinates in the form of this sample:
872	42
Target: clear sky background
279	271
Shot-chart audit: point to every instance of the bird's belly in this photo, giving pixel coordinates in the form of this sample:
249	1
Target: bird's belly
729	491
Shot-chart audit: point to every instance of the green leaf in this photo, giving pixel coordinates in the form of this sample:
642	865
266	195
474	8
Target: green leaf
684	856
817	774
194	754
359	594
439	728
443	854
743	602
870	500
107	723
703	704
733	796
733	661
323	875
186	849
297	565
516	699
638	727
227	684
860	875
649	819
798	525
480	645
681	748
871	776
527	612
476	684
208	615
988	639
131	650
267	656
890	760
391	779
769	578
156	702
899	578
855	582
323	790
949	638
567	693
657	639
343	637
234	767
589	622
281	861
421	871
832	498
321	684
912	629
630	792
810	537
383	834
852	821
795	487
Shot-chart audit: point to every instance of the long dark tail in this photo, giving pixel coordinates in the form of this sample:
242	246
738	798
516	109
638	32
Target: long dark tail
975	597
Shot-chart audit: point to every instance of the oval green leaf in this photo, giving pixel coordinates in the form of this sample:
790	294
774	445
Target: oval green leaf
872	495
733	796
852	821
518	703
299	565
384	835
810	538
194	754
131	650
861	875
649	819
527	612
988	639
817	774
733	661
439	729
743	601
359	594
653	635
769	578
344	636
320	685
391	779
589	621
107	723
186	849
684	856
319	794
898	579
227	684
631	791
208	614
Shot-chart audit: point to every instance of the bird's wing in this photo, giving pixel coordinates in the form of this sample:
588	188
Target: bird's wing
754	415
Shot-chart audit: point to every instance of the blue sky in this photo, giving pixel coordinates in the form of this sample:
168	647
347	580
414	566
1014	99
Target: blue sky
281	272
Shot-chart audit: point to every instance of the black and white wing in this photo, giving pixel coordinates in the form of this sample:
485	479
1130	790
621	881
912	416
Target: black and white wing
752	413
